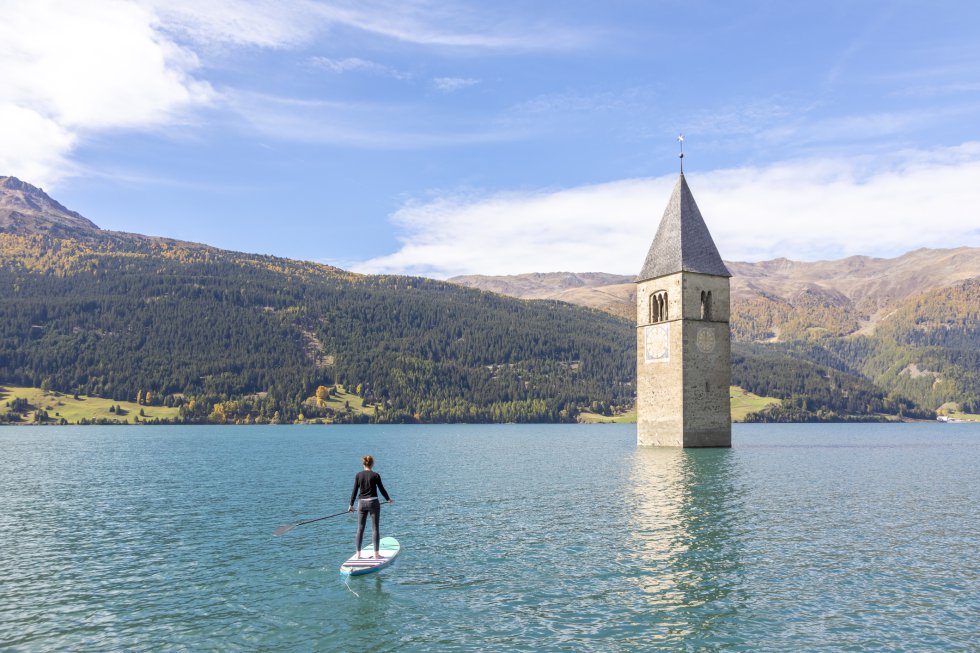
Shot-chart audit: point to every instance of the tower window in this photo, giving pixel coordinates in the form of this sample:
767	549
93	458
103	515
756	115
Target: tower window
705	305
658	306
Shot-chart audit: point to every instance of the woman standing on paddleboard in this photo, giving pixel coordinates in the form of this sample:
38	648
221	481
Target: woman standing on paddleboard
367	483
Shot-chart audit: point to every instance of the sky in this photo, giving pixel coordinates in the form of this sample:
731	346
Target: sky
500	137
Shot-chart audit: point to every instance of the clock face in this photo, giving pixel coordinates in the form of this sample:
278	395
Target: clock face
656	339
706	340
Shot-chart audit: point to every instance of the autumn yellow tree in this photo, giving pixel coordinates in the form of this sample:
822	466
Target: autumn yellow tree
322	394
217	414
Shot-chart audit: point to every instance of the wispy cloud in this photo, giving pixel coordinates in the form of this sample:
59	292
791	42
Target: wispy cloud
452	24
748	117
453	84
806	126
355	64
222	23
853	129
809	209
933	90
277	23
358	124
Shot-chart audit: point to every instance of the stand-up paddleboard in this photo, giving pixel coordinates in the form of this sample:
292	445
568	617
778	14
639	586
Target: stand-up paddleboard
367	563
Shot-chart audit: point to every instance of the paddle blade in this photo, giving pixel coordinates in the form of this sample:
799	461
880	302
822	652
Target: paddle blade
283	529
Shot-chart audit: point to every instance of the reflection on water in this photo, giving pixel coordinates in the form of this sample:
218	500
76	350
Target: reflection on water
686	539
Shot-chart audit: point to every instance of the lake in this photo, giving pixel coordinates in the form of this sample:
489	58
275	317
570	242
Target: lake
518	537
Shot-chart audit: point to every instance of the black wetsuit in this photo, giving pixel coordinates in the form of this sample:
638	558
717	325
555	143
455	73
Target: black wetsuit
368	484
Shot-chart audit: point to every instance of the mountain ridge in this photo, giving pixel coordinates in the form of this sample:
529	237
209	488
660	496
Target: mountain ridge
864	285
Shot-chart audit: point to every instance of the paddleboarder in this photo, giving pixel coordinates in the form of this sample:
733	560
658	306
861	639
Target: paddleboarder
367	484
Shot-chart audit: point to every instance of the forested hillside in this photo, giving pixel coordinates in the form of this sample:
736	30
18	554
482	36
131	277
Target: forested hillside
118	316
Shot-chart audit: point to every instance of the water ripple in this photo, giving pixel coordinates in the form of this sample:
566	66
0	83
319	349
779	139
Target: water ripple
817	538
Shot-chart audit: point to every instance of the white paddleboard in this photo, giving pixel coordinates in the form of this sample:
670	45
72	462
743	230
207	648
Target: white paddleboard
366	563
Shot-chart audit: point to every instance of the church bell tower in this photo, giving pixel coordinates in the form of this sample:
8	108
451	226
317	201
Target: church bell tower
683	344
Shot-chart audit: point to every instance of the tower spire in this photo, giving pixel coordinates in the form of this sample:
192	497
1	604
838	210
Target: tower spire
680	140
683	242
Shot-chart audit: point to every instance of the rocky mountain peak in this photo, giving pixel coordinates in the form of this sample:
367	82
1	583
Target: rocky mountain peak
26	210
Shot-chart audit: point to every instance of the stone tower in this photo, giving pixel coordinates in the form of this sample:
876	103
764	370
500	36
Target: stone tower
683	345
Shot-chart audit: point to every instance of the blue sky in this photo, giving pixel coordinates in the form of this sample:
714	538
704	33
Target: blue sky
443	138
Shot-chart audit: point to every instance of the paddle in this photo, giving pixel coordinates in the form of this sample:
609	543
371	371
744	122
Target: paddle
288	527
285	529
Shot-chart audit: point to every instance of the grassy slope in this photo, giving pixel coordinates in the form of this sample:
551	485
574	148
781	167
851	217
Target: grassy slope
952	410
74	410
338	402
743	403
65	406
587	417
965	417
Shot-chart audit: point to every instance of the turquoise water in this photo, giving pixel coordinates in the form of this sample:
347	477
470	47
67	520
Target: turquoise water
534	538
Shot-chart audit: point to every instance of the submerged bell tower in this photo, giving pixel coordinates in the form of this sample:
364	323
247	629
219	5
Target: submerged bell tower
683	343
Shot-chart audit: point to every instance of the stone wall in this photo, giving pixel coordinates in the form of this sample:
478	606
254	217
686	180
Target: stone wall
660	366
684	364
707	364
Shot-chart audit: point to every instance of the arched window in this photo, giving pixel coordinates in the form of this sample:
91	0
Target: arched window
705	305
658	306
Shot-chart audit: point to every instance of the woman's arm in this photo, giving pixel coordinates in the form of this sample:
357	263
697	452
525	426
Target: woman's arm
353	495
381	488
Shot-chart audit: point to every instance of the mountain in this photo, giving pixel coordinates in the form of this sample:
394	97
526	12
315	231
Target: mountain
773	300
231	337
613	293
227	336
27	210
541	285
903	324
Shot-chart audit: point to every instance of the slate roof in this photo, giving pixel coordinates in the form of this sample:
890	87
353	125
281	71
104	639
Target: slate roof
682	243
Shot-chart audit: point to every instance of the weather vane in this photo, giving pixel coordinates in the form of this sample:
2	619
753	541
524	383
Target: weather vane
680	139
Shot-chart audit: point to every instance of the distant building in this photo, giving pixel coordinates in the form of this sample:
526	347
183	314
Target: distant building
683	364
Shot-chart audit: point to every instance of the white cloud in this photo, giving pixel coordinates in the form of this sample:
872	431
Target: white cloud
261	23
453	84
71	69
810	209
32	146
74	67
